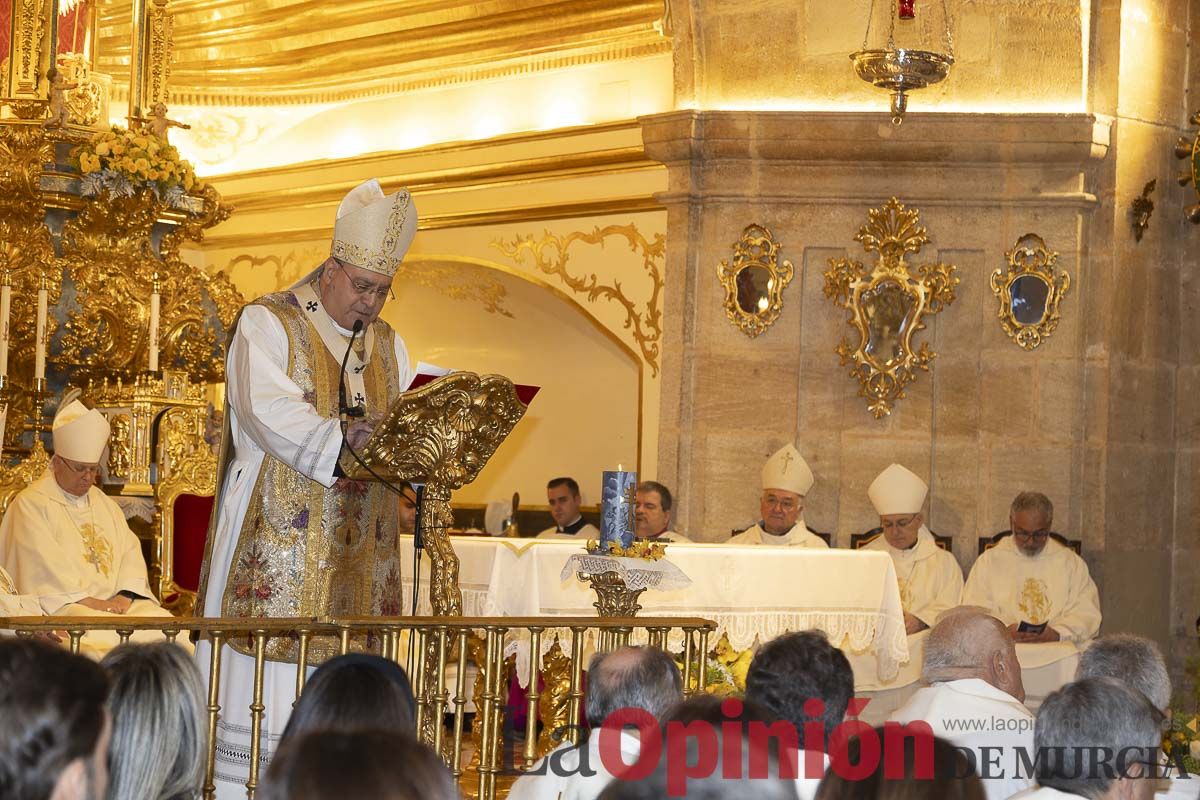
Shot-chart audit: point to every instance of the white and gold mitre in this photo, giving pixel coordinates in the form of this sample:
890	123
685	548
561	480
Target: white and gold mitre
897	490
80	433
788	471
373	230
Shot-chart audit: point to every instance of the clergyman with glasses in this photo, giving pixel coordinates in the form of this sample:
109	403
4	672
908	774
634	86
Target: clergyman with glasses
929	577
786	479
291	536
66	544
1039	587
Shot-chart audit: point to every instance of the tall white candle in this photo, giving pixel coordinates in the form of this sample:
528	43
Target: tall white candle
5	308
39	353
155	299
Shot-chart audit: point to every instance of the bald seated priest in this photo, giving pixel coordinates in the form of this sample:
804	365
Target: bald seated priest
652	514
66	543
930	578
1030	581
786	479
563	496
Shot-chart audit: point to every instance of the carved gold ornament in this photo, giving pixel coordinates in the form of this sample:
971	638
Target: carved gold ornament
645	322
887	304
754	283
1188	148
1029	291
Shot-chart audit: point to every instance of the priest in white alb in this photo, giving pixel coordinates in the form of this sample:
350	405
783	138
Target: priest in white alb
66	543
786	479
1042	591
929	579
291	536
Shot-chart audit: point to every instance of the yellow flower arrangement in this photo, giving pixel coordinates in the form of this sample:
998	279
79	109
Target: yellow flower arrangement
647	551
119	155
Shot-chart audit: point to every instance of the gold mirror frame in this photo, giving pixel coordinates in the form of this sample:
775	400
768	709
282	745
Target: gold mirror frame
892	232
1030	256
755	248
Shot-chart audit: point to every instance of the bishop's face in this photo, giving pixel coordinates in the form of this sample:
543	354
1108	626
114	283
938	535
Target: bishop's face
74	477
901	530
780	509
351	294
1030	530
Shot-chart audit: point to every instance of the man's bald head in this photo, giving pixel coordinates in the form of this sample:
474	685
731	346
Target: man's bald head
631	677
970	643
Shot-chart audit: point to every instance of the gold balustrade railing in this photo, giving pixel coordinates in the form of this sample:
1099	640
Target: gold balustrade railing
554	680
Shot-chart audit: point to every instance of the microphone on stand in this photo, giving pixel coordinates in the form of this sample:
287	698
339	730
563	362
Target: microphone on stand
344	411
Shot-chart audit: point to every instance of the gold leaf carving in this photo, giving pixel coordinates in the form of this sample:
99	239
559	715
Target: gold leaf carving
550	255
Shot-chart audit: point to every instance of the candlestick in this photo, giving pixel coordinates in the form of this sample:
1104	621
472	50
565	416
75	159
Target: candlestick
39	353
155	299
616	508
5	308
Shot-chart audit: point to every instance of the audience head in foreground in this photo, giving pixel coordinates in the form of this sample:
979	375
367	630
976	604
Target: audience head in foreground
699	761
1098	738
54	728
334	765
947	776
356	691
631	677
970	643
1134	660
156	699
792	669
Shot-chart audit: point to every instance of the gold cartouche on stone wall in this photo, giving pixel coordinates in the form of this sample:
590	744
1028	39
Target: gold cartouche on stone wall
1029	290
888	304
755	281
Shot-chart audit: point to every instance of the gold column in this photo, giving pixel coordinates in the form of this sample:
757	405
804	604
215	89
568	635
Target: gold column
28	56
150	57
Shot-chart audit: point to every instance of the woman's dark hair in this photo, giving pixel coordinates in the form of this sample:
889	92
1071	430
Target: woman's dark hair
380	765
51	713
952	775
354	692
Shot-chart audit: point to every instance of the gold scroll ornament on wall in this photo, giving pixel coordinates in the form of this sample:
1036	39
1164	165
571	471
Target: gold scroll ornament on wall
1029	291
888	304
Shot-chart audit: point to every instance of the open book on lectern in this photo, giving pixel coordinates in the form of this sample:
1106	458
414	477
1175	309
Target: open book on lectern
443	429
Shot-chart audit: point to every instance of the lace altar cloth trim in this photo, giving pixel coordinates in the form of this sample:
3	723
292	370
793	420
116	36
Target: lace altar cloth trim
856	632
636	572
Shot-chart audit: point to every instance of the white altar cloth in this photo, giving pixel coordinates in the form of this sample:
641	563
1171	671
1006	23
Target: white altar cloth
752	593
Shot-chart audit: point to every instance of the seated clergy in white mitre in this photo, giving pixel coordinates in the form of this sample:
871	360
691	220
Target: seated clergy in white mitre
67	544
786	479
1029	580
929	578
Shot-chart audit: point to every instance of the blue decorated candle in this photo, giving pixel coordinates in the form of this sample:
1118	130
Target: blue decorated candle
616	508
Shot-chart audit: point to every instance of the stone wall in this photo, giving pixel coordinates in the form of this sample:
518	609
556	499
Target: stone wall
1102	417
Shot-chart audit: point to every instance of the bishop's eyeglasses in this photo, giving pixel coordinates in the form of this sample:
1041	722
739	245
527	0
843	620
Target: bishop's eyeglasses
364	289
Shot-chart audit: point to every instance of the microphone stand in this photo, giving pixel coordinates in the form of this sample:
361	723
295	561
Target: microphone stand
345	413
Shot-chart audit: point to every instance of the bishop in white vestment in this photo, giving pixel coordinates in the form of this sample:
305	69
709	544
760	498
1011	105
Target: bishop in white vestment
930	578
290	537
66	544
786	479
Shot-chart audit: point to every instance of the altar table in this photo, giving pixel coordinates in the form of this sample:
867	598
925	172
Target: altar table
752	593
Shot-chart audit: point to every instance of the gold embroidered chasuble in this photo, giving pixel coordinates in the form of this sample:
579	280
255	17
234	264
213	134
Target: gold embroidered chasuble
305	550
